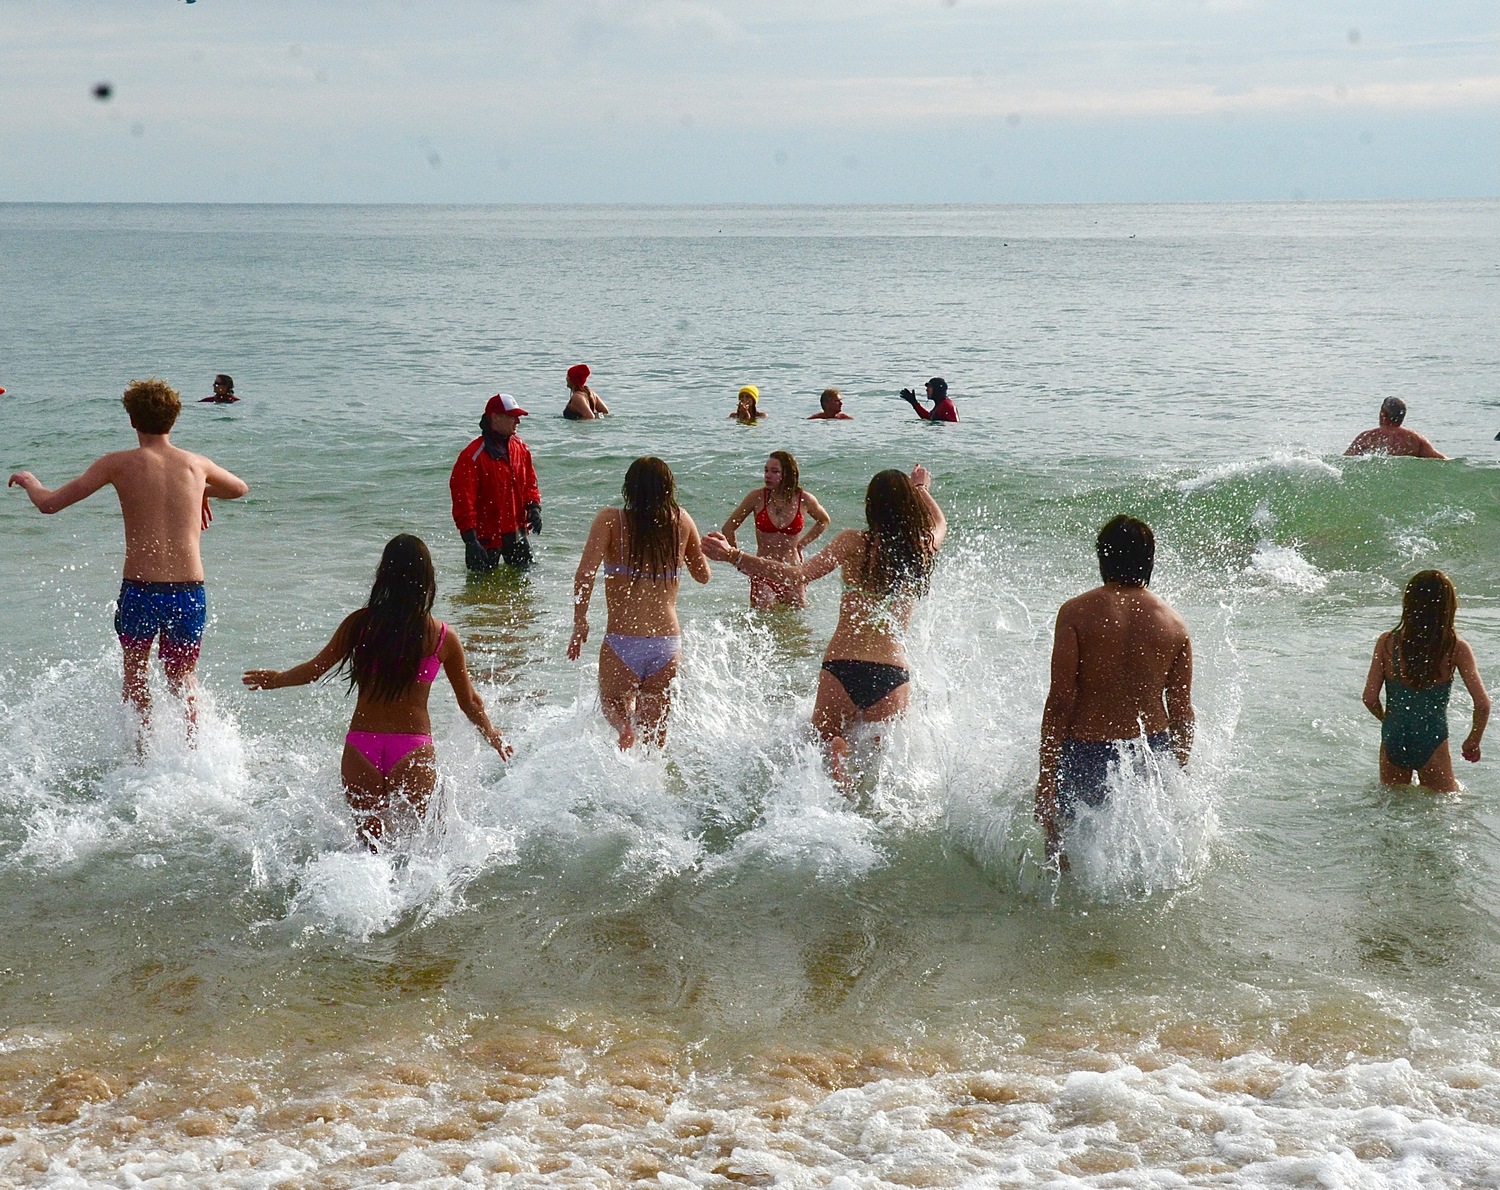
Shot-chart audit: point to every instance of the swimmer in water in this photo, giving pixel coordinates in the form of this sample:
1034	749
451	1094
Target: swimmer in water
164	493
886	567
747	411
1390	437
644	548
223	391
392	649
584	404
832	402
1414	665
779	521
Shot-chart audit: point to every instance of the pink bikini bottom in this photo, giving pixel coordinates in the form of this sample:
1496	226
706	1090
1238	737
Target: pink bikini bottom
385	749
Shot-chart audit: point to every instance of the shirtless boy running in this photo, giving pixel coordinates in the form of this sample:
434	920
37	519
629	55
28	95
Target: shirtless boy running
163	495
1122	669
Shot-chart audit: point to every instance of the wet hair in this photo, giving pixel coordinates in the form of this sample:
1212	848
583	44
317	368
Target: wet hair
227	379
899	547
651	516
829	394
1393	409
791	479
1127	551
386	651
153	405
1424	635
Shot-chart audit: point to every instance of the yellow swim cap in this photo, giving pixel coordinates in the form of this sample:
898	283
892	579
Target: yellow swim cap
750	391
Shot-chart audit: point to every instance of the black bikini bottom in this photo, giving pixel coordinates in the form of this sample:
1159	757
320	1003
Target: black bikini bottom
867	682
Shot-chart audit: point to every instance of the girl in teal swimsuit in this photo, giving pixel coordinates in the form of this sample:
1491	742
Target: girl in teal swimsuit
392	649
1414	665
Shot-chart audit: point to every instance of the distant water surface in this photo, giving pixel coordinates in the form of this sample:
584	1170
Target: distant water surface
704	967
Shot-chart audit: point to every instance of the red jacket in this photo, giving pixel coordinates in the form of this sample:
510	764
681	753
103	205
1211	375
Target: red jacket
491	495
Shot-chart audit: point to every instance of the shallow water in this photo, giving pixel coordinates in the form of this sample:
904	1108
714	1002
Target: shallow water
704	966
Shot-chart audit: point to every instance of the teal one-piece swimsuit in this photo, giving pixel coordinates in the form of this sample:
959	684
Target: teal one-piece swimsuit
1416	721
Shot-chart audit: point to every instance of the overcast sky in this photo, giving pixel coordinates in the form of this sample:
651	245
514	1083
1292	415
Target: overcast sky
748	100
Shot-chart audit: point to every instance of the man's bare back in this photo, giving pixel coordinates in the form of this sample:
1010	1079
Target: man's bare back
1122	682
163	492
1394	440
1119	655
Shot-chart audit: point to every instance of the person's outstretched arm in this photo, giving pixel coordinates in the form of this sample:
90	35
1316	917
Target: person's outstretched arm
583	579
47	500
309	671
921	479
456	667
1468	669
825	561
910	398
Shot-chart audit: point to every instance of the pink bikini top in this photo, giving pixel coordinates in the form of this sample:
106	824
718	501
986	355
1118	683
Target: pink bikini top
427	671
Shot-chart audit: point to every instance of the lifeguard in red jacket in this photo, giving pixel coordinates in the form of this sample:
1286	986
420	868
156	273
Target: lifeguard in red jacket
495	498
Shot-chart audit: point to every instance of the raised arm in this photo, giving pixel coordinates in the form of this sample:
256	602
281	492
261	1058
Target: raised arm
594	550
1057	714
737	518
921	479
821	520
99	473
1375	679
1463	661
330	655
451	654
1179	697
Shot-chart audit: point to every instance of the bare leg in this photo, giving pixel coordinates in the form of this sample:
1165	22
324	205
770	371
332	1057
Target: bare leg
412	780
833	712
655	702
617	690
182	681
1394	774
365	791
1437	774
135	689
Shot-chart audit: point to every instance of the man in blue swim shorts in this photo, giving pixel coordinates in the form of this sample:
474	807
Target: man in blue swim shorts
1122	683
164	493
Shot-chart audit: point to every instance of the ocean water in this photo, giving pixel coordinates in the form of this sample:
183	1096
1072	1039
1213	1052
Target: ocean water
703	967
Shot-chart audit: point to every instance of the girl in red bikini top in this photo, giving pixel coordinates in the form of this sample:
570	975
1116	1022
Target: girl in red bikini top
783	543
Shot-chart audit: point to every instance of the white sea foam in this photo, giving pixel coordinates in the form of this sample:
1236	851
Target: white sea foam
1284	566
1279	465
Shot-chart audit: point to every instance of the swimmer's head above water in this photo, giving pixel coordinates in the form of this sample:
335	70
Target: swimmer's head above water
1127	552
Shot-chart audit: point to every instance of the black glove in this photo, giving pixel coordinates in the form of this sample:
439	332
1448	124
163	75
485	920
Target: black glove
908	395
476	557
534	518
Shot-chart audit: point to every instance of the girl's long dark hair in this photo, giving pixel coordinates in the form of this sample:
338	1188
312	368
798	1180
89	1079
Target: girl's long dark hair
1424	635
387	647
650	517
898	544
791	477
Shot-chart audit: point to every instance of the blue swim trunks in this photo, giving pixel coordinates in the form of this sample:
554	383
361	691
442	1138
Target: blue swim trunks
1083	769
177	611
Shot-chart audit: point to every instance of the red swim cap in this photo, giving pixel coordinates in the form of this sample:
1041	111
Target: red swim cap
578	376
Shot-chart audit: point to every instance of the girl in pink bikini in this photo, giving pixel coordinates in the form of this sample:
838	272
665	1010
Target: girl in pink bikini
392	649
781	510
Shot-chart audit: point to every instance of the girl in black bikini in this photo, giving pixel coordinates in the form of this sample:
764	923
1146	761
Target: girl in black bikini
886	567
